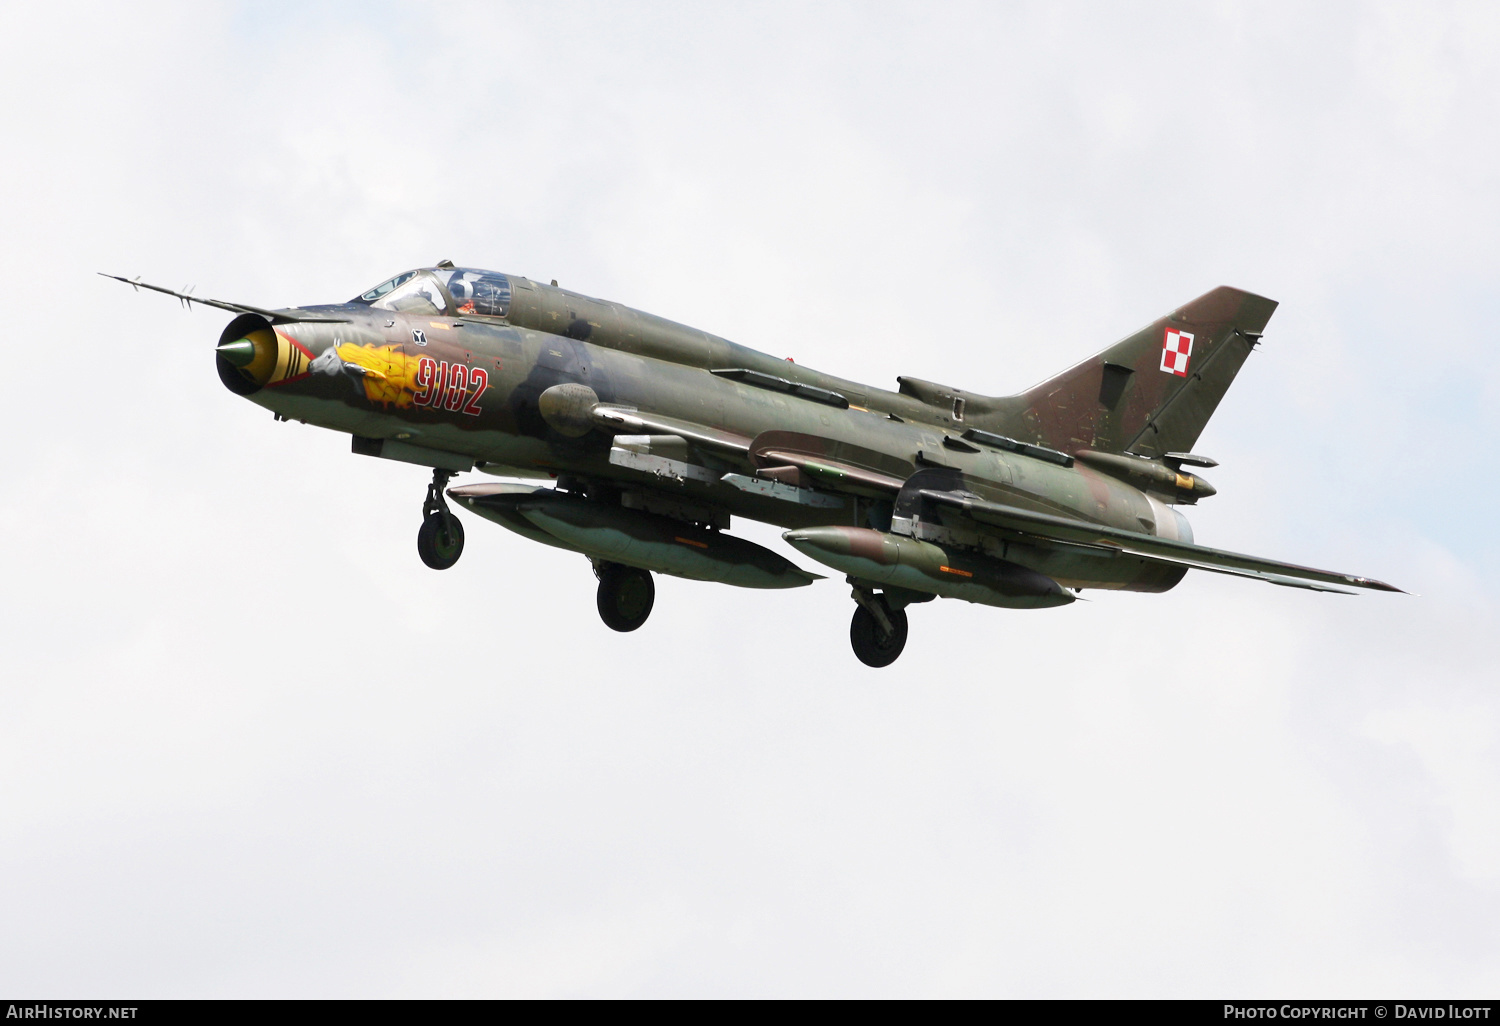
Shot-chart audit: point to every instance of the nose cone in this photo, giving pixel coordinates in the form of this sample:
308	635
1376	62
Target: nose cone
240	353
250	355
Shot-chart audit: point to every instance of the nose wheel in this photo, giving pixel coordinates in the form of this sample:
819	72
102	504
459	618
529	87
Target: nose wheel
878	632
440	539
626	595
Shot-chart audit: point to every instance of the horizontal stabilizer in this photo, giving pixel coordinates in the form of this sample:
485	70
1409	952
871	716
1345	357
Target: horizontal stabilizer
1044	525
1254	575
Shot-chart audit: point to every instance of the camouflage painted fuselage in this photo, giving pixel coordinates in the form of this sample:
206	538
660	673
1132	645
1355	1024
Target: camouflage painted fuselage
738	432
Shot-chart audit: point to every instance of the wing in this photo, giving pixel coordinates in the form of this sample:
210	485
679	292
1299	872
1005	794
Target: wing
1161	550
274	316
856	472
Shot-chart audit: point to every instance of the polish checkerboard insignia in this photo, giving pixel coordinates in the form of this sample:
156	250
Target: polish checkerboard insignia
1175	352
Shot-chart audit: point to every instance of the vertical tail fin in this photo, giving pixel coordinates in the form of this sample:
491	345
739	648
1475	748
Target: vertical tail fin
1150	393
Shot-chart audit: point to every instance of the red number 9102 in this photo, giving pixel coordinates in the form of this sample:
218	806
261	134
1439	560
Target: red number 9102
445	386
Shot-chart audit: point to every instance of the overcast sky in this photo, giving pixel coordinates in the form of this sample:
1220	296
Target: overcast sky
251	746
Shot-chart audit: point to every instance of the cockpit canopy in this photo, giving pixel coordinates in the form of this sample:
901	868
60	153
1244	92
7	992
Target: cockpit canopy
454	291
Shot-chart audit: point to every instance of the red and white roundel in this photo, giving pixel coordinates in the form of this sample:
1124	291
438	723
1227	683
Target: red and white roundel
1175	352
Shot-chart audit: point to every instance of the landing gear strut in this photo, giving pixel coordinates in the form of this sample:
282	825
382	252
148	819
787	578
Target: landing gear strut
626	594
440	539
878	631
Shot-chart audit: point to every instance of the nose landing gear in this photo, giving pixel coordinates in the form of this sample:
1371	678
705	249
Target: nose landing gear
440	539
626	595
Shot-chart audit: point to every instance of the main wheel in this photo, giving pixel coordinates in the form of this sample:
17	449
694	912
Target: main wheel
872	644
626	594
440	541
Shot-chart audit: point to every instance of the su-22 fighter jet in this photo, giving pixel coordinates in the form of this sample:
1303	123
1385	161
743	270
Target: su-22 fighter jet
656	434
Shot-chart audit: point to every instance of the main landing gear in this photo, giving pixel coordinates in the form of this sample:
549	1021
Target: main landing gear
626	594
440	539
878	631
